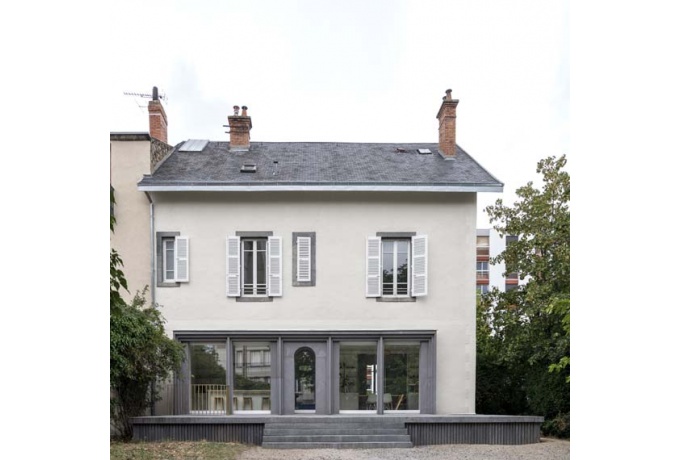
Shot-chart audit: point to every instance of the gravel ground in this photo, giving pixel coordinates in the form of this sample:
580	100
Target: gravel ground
547	449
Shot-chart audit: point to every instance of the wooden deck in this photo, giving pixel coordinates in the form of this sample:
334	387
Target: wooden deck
422	429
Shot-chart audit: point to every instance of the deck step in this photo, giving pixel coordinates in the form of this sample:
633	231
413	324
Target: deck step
336	434
319	431
336	445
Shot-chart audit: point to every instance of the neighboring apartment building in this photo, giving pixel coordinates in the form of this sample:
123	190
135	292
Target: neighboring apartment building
318	277
490	244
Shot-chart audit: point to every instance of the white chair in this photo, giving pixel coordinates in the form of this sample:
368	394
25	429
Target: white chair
371	401
387	401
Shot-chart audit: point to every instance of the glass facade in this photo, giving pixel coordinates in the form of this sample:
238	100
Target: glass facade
358	376
252	376
209	377
402	368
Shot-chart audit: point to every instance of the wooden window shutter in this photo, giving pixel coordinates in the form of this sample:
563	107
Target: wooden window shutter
419	271
182	259
304	258
373	267
274	266
233	266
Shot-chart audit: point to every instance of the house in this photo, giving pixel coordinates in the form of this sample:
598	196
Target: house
315	277
490	244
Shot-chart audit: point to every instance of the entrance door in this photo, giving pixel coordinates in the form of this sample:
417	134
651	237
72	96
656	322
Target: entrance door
305	378
304	362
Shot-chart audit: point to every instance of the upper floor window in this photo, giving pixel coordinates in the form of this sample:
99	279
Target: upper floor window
172	258
483	288
396	266
254	266
482	246
482	270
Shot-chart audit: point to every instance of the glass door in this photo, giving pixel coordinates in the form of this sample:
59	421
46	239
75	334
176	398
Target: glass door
305	380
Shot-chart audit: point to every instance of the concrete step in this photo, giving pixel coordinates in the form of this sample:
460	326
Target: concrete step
336	445
336	426
336	433
325	430
340	438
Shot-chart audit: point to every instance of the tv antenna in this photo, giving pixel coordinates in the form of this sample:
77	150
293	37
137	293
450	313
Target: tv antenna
154	96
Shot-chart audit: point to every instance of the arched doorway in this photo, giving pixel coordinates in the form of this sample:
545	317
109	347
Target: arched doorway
305	380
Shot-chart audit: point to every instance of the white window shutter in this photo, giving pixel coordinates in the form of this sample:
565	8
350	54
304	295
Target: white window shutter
419	271
233	266
274	266
373	267
182	259
304	258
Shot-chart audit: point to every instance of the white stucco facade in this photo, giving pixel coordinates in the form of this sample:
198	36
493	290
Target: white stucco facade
341	221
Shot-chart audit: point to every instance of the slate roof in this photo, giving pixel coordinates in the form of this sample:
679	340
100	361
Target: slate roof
319	164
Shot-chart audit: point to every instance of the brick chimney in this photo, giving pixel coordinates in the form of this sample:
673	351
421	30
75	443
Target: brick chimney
239	129
158	121
447	126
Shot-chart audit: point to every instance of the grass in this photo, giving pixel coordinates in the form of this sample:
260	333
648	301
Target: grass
175	450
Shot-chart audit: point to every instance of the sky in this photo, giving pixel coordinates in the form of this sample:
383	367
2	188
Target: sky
353	71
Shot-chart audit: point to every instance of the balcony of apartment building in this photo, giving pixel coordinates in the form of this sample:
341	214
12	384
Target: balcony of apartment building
482	264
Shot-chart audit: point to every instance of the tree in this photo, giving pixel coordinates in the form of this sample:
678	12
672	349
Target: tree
141	354
523	335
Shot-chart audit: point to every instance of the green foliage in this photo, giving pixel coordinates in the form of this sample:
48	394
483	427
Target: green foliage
140	356
558	426
118	280
523	335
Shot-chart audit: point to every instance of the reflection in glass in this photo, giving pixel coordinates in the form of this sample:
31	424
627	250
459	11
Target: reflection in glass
252	376
402	382
305	379
208	377
254	259
358	374
395	262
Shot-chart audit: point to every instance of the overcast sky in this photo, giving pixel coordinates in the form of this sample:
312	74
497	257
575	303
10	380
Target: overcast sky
354	71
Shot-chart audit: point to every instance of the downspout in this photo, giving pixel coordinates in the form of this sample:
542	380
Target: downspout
153	276
152	252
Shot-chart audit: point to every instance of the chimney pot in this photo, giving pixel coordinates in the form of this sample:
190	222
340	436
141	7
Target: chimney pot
239	129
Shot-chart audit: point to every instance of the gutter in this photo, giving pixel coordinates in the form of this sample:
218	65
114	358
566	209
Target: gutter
320	188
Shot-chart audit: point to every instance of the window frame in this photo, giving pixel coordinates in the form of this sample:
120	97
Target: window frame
480	273
255	250
374	272
165	242
395	255
235	266
161	259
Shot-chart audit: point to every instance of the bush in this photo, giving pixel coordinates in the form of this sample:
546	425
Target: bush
557	427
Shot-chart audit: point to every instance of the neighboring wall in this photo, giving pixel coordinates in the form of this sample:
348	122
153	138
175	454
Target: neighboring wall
131	237
342	221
